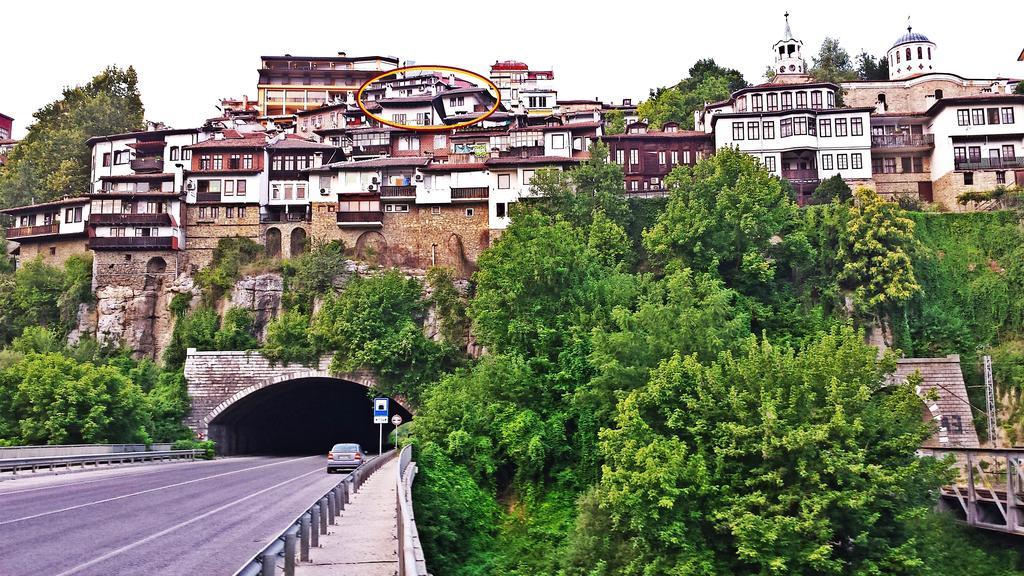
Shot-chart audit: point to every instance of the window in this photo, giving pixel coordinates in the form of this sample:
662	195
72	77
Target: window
799	126
398	118
785	127
68	214
235	162
78	214
825	127
1008	152
826	161
816	99
218	162
1000	177
204	162
856	161
801	99
908	53
53	250
876	165
620	157
978	116
757	103
504	181
241	211
202	212
752	130
655	181
787	100
842	161
918	164
1007	115
769	163
675	157
840	127
247	162
737	130
768	130
558	141
831	99
239	187
634	156
214	212
470	212
634	185
889	166
920	53
968	178
500	209
661	158
856	126
435	210
229	187
974	153
907	163
993	115
106	158
773	102
186	154
897	57
741	104
963	117
122	157
459	101
960	154
229	212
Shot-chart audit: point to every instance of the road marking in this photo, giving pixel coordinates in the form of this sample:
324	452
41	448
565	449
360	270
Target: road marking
149	491
142	471
166	531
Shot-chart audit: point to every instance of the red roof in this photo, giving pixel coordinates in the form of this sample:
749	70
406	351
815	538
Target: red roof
509	65
397	162
233	139
530	160
454	166
53	203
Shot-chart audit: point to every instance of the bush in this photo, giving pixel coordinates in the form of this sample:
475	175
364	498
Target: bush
236	331
834	188
208	446
288	339
230	255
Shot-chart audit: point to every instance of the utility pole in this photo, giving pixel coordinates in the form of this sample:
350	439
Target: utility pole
990	401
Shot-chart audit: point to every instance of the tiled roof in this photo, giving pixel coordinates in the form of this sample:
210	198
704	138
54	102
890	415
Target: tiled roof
530	160
398	162
468	90
943	377
978	99
405	100
294	142
53	203
658	134
230	140
454	166
125	135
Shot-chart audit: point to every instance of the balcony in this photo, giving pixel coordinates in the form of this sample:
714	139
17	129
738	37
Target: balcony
476	193
132	243
360	219
903	141
803	181
131	219
989	164
285	217
207	197
28	231
397	192
145	165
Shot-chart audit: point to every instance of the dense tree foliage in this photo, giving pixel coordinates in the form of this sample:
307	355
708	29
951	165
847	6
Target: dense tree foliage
53	159
871	68
707	82
833	188
833	63
38	294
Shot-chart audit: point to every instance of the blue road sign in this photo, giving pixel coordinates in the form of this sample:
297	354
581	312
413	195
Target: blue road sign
380	410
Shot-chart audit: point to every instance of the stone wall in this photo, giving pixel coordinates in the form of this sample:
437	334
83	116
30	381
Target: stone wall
947	188
53	251
942	380
289	248
203	234
260	294
900	98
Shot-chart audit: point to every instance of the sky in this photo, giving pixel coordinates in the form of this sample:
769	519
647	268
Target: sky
190	56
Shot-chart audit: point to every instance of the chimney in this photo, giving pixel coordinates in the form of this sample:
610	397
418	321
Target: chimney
342	54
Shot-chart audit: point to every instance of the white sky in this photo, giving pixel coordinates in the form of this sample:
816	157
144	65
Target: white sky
190	55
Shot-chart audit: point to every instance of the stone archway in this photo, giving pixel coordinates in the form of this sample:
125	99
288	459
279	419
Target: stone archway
155	269
372	246
298	242
273	242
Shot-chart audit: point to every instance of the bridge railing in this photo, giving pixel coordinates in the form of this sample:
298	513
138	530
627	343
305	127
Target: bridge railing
293	543
36	463
76	449
988	492
411	561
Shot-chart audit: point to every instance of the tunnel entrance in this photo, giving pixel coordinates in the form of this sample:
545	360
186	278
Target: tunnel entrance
302	416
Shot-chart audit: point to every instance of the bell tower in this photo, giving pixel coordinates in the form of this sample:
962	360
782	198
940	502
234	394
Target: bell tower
788	53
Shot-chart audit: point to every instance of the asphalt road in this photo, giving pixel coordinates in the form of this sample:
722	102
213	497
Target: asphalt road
203	518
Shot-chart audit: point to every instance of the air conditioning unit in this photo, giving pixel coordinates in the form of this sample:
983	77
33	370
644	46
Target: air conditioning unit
375	181
419	177
371	188
190	185
325	191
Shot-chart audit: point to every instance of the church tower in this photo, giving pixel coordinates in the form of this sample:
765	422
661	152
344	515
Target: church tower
912	54
789	59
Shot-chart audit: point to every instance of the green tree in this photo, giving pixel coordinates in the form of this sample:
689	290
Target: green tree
594	185
771	461
870	68
230	255
707	82
236	331
168	404
1019	88
832	188
197	329
288	339
314	274
833	63
53	158
614	122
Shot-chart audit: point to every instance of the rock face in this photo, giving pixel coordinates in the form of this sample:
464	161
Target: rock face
262	295
139	318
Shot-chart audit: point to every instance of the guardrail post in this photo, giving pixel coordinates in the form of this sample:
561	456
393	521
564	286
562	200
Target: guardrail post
339	498
323	515
315	529
345	488
304	534
269	565
332	508
289	554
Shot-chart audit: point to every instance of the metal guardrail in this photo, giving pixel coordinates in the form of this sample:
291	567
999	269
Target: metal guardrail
411	561
76	449
304	532
34	464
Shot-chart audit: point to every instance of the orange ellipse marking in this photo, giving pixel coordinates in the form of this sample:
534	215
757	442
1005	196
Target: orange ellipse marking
394	71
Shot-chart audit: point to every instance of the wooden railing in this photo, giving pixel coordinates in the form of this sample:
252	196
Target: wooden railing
25	231
902	140
475	193
147	165
151	219
989	163
360	218
208	197
397	191
132	243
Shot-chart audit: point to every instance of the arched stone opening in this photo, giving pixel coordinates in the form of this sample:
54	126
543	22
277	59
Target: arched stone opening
298	241
299	416
273	242
372	246
155	269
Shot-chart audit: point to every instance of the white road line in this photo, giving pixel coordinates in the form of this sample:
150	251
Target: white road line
147	471
166	531
149	491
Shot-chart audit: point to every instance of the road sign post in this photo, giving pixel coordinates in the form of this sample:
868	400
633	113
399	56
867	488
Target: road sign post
380	417
396	420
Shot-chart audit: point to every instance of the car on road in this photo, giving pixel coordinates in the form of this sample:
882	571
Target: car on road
345	457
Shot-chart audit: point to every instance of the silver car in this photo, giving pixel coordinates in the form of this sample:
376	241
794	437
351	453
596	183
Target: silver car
345	457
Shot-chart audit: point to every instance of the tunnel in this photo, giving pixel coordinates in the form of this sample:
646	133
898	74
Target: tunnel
302	416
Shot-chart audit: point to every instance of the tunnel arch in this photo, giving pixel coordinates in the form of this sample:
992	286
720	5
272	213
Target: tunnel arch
303	413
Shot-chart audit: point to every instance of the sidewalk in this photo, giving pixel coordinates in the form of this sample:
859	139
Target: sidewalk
364	542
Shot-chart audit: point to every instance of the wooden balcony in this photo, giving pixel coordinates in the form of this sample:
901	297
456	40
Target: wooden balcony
132	243
207	197
475	193
147	165
131	219
397	192
360	219
803	181
29	231
990	164
279	217
903	141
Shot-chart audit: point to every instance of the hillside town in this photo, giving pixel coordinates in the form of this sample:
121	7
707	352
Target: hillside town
305	161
